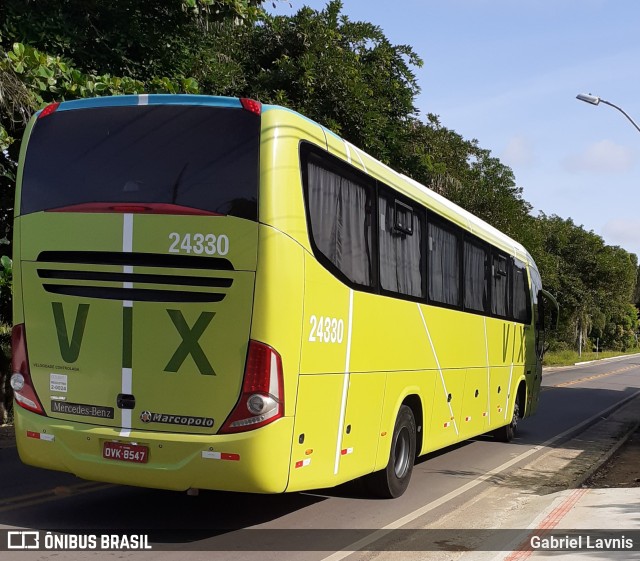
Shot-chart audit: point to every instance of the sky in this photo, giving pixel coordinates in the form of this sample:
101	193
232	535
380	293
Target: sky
507	72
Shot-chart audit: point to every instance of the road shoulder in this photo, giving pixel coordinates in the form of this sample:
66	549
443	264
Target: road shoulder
524	497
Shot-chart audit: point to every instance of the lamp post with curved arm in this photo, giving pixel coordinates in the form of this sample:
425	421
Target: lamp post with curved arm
595	100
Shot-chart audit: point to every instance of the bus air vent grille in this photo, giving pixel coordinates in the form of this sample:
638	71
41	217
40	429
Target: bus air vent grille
133	294
137	259
165	283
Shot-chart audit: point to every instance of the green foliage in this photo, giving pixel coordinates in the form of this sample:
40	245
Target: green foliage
469	176
49	78
6	280
29	79
6	272
145	38
594	283
6	393
344	74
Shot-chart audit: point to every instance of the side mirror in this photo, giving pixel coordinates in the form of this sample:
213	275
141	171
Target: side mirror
541	312
550	314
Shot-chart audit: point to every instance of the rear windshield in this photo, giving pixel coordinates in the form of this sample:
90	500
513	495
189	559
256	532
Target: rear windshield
193	156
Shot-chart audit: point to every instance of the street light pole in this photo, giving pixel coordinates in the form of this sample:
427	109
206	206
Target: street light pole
595	100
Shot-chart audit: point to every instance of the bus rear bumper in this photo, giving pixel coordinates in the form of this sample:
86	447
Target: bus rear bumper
253	462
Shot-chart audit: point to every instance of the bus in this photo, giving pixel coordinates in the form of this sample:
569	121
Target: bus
212	293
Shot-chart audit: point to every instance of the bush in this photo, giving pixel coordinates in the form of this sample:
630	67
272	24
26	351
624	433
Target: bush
6	393
6	280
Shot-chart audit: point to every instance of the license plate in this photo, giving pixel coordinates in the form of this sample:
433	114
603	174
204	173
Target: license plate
125	452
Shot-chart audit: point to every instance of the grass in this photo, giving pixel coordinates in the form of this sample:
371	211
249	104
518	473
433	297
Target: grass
567	358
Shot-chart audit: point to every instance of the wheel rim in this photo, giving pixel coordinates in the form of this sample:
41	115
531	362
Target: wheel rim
401	453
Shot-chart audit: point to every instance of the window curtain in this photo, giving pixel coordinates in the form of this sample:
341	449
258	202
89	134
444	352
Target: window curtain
340	212
400	253
520	293
476	289
500	294
443	269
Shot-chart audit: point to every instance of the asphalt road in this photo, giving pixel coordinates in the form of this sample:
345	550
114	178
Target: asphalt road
214	523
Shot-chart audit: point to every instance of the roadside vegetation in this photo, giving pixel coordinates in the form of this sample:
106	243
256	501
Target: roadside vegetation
345	74
568	358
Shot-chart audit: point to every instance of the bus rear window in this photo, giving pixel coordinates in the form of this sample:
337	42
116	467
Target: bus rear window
199	157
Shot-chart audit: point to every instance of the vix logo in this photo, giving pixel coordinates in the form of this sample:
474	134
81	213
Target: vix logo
70	350
506	337
190	345
70	346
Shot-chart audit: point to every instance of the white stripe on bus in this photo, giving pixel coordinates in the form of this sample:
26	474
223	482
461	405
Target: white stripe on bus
444	386
143	99
345	386
128	269
346	147
486	346
127	388
127	379
127	233
513	352
127	373
357	152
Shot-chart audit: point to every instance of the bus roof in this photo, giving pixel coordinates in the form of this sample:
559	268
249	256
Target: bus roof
149	99
475	223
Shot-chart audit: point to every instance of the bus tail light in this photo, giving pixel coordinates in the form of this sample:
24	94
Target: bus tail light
23	390
48	110
262	398
251	105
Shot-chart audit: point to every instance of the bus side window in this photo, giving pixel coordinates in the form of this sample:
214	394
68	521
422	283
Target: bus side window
340	208
476	278
443	267
521	296
501	297
400	242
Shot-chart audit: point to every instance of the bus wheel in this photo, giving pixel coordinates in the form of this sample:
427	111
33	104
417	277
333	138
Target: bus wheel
506	433
393	480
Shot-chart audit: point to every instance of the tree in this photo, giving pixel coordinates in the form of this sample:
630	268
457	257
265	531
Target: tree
29	79
594	282
343	74
142	39
468	175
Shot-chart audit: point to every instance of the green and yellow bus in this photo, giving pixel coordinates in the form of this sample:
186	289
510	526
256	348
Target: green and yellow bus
212	293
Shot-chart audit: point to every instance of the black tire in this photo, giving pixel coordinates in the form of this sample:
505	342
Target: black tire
508	432
393	480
